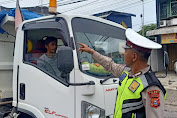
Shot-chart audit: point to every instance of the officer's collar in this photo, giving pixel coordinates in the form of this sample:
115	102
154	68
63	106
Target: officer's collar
142	72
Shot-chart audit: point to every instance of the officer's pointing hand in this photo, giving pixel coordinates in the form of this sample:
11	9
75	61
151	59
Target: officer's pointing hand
85	48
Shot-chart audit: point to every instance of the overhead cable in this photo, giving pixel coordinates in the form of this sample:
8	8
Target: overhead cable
117	9
81	6
106	6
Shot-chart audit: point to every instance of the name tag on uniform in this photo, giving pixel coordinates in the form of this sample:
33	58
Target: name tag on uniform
134	86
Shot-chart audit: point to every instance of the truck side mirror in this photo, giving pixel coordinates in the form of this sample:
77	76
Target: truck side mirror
66	64
166	59
65	59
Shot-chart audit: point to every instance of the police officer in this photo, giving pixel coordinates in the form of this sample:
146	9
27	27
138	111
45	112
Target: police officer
140	94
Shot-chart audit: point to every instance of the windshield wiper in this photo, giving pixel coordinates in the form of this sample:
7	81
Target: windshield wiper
102	81
89	41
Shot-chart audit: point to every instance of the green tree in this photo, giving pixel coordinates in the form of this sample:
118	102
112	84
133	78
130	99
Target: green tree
147	28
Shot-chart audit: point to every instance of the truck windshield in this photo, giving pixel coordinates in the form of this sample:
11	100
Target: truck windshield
103	38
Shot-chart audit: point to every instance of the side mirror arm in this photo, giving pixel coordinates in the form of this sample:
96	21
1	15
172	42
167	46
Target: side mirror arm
65	75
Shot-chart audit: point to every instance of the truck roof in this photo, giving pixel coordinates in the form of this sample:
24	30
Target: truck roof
70	17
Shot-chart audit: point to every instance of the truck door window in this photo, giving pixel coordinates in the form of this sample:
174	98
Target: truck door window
40	50
105	39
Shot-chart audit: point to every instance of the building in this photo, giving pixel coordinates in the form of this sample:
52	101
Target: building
40	10
119	17
166	31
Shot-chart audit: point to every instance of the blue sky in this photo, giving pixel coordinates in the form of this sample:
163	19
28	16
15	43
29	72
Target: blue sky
90	7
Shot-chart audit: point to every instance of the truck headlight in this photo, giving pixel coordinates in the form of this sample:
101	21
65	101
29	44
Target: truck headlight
91	111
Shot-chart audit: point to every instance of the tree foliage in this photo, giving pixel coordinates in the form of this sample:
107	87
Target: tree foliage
148	28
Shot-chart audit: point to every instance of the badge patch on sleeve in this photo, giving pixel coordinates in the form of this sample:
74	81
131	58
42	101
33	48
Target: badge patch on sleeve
122	77
134	86
154	95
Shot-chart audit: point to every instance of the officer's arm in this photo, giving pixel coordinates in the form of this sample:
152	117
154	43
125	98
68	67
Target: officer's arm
108	64
154	106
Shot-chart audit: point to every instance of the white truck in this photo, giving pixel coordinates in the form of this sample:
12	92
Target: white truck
84	89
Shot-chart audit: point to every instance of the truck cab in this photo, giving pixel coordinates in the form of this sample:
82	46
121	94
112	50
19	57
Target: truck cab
47	91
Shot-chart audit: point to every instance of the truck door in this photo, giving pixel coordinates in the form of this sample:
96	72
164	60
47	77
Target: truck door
42	90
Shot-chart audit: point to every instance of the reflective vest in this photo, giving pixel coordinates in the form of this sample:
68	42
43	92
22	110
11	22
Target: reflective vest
129	102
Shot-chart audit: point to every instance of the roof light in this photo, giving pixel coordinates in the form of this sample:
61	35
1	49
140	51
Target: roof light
53	6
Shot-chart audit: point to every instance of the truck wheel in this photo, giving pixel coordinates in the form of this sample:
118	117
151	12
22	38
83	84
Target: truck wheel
23	115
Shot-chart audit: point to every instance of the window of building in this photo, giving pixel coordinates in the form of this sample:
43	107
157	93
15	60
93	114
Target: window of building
163	10
174	7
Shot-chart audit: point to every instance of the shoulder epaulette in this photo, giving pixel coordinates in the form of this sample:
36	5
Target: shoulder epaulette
152	80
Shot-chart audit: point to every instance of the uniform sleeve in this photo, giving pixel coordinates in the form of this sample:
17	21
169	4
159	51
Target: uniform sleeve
154	107
108	64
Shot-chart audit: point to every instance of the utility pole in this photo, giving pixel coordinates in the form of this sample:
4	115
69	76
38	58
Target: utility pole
41	6
142	16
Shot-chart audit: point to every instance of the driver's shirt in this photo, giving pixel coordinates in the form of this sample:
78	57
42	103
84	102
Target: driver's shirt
49	64
117	69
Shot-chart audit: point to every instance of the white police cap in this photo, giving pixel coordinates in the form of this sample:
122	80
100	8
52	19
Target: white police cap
135	40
